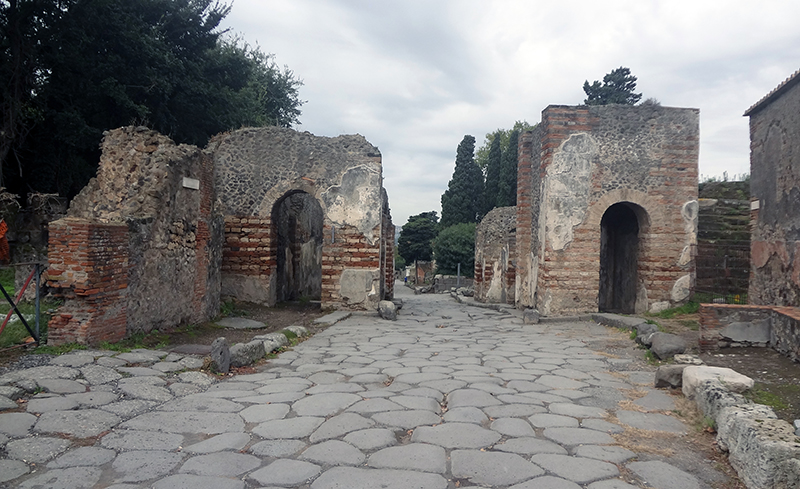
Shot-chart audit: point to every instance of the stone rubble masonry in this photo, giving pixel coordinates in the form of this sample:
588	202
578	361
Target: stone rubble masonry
774	192
164	230
784	322
495	255
572	167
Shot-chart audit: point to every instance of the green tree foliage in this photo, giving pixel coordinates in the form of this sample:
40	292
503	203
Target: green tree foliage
454	245
93	65
507	189
463	199
617	88
492	184
399	261
482	153
416	237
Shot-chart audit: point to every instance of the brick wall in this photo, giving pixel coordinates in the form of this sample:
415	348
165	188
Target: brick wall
784	322
583	160
89	269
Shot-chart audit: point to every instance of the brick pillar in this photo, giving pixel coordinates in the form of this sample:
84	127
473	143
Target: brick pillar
525	225
88	268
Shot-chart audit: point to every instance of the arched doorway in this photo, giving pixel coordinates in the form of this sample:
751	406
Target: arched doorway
297	223
619	257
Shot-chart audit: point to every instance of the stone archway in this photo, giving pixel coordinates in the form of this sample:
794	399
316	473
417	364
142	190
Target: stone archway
297	220
620	229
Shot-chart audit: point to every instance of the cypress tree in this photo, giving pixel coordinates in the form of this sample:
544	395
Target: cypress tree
463	199
507	191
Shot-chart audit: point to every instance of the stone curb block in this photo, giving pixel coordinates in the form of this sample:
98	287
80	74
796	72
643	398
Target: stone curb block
763	449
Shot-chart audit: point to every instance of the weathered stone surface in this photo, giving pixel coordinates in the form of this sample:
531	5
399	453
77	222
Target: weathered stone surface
491	468
299	427
220	355
81	424
141	440
530	316
615	455
340	425
407	419
225	441
651	421
94	398
47	404
325	404
187	422
70	478
577	436
285	472
264	412
356	478
277	448
240	323
456	435
12	469
371	439
83	457
529	446
660	474
243	354
669	376
202	403
61	386
665	345
644	330
333	452
512	427
141	465
146	392
414	456
387	310
188	481
730	379
37	449
748	332
221	464
577	469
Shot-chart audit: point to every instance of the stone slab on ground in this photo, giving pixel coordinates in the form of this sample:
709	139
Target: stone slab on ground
241	323
333	318
733	381
663	475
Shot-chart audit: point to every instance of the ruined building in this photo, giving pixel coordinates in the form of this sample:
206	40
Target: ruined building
606	215
263	215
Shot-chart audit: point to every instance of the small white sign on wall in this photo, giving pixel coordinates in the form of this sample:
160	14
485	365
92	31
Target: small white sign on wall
191	183
755	205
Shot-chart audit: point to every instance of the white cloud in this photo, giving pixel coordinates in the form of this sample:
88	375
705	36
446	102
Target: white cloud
413	77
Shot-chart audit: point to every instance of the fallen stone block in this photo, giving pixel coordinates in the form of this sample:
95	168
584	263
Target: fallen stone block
387	310
669	376
272	341
665	345
398	303
617	321
644	330
220	356
243	354
687	359
298	330
530	316
730	379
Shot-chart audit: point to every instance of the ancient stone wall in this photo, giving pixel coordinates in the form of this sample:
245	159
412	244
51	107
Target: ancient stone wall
257	169
153	201
775	196
495	255
777	327
584	160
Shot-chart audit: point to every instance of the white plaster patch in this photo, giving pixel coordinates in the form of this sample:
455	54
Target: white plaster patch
657	307
567	187
356	202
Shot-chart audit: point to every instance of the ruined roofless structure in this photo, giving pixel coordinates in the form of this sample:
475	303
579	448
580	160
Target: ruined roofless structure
263	215
606	215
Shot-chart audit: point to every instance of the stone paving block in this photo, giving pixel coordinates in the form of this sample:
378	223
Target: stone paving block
470	398
218	443
72	360
285	472
333	452
456	435
264	412
326	378
414	456
47	404
143	379
180	389
530	446
663	475
146	392
613	454
199	402
221	464
342	387
61	386
371	438
491	468
357	478
546	482
425	392
513	410
128	409
111	362
325	404
577	436
656	401
374	405
601	425
407	419
577	469
187	422
41	373
197	378
416	402
71	478
11	392
167	367
139	371
611	484
465	415
141	440
651	421
191	362
576	410
36	449
12	469
515	427
340	425
81	424
552	421
444	386
299	427
142	465
277	448
188	481
83	457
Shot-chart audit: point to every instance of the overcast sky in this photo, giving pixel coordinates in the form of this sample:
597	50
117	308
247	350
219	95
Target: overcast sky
414	77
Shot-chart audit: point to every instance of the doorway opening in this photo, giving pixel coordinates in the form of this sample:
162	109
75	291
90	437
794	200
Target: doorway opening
619	257
297	222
